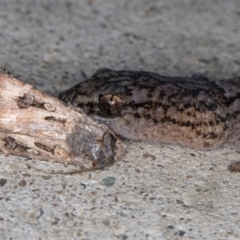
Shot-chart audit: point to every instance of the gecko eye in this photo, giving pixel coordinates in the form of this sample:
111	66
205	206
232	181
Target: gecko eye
110	105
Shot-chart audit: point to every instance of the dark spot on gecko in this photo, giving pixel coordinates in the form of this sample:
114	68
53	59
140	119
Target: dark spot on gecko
232	99
147	116
187	105
211	123
133	105
198	133
162	94
127	123
204	135
234	167
80	105
203	106
212	135
235	114
137	115
90	104
179	108
155	121
165	108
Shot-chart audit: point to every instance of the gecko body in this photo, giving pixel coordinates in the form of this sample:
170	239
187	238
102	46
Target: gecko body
191	111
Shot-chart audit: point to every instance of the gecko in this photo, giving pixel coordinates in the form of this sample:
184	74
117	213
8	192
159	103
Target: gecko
194	111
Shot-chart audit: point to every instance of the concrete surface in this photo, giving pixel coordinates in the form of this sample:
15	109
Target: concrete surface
155	191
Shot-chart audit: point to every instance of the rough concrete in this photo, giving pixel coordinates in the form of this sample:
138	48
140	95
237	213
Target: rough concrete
155	191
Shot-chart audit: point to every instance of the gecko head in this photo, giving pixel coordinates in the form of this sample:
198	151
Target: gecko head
101	96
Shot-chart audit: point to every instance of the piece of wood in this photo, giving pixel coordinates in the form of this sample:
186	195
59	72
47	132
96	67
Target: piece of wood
36	125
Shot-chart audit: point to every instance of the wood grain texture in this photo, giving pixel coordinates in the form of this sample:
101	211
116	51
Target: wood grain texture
36	125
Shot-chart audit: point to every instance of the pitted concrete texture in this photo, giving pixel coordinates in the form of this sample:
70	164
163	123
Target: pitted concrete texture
154	191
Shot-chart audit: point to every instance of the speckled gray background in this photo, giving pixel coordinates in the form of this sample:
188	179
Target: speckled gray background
155	191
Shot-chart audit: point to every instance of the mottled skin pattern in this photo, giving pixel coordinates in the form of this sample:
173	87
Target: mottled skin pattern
190	111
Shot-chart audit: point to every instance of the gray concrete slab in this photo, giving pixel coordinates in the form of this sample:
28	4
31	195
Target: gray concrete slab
155	191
